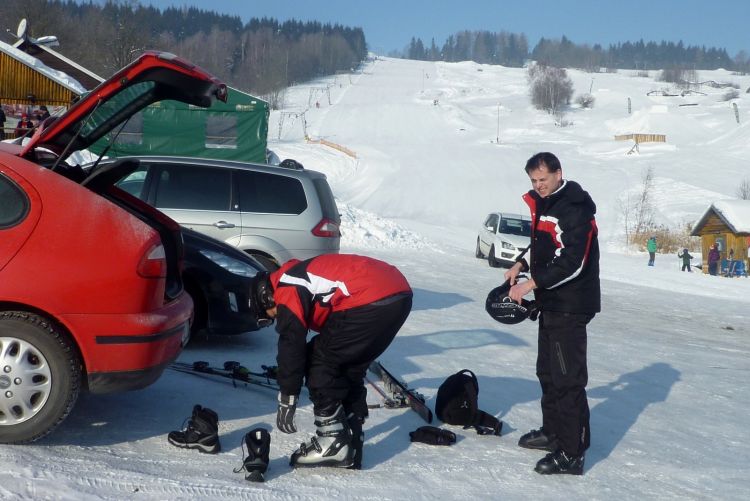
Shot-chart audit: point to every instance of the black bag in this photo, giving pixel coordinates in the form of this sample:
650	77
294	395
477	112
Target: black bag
457	403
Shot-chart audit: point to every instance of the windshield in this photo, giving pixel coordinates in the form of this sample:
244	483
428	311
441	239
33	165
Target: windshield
511	226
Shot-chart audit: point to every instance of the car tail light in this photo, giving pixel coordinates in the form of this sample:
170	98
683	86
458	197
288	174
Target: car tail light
326	228
153	263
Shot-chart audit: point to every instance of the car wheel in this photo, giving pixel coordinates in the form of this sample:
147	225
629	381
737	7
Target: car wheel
40	377
491	258
268	263
478	252
200	310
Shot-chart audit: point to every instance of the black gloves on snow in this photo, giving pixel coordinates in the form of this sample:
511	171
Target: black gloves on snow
285	413
433	436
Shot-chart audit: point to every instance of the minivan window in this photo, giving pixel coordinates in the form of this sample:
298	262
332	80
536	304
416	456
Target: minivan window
270	193
189	187
13	203
327	202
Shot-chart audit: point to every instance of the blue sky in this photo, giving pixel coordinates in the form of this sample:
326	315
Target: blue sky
389	24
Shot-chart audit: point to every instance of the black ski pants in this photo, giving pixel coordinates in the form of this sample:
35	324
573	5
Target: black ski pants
338	357
563	375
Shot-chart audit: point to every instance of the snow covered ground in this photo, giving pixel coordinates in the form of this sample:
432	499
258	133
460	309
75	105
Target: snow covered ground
668	355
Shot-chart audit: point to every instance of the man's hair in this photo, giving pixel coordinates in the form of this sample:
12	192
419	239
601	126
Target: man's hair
544	158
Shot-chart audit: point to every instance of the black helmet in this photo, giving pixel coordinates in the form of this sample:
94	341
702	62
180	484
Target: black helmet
261	295
506	311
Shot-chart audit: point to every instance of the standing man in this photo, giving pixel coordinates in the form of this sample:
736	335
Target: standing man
2	123
651	248
357	305
564	267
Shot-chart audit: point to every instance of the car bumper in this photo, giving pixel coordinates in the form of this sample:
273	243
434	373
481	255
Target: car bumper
130	351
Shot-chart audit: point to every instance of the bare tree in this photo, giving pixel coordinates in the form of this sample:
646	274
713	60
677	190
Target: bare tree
644	206
551	88
743	190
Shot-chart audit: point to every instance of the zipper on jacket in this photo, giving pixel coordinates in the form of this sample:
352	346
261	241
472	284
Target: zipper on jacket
561	358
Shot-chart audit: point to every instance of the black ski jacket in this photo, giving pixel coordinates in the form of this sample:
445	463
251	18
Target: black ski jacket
564	253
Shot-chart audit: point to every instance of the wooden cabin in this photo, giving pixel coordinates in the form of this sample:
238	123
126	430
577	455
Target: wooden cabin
725	223
26	84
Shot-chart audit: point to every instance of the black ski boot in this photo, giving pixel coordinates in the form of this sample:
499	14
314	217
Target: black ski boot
538	439
331	445
258	443
201	432
357	441
560	462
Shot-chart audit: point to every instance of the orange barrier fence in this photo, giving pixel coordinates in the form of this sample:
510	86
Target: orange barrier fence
333	145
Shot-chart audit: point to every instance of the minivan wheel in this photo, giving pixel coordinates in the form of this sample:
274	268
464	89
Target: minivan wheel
491	258
40	377
478	253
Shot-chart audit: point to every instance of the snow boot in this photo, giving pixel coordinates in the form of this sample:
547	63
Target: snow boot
538	439
258	443
357	440
560	462
331	445
201	432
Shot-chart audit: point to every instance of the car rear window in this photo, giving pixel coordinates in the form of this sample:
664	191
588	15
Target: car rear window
327	202
13	203
191	187
271	193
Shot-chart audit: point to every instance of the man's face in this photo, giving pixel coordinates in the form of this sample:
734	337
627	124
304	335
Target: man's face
545	182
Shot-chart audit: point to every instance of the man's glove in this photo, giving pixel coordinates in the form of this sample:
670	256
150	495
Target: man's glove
285	413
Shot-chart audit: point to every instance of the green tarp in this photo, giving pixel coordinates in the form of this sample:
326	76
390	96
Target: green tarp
235	130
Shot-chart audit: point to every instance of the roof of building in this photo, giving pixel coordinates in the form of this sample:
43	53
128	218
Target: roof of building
36	64
734	213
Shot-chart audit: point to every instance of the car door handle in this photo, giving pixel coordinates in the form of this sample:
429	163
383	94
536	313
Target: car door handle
223	224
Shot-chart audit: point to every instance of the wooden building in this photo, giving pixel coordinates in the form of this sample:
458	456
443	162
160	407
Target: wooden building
725	223
26	84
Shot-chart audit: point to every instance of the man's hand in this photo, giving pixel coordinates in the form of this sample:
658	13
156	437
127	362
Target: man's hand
513	272
285	413
518	291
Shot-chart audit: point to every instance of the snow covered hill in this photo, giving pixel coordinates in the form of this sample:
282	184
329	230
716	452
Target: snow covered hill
668	355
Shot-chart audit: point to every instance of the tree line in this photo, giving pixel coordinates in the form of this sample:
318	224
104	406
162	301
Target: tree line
512	49
260	56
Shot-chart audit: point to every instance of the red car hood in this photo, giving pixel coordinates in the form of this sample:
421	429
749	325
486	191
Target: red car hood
154	76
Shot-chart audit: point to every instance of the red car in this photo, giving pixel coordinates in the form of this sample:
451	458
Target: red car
91	296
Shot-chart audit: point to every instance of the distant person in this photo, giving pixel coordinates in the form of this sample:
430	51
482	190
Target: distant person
44	113
686	257
651	247
564	266
713	260
23	126
356	304
3	118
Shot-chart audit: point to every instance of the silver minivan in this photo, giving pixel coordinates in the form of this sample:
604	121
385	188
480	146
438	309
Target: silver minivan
273	212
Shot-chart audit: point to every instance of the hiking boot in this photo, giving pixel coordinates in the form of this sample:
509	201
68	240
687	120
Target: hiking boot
538	439
560	462
331	445
258	443
201	432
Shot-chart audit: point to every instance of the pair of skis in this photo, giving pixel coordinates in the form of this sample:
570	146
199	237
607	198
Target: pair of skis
394	393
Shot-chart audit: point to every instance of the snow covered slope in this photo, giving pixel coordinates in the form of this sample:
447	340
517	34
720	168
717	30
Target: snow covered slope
668	355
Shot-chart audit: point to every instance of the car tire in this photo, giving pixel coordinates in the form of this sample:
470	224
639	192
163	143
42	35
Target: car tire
491	258
478	253
199	325
39	392
267	262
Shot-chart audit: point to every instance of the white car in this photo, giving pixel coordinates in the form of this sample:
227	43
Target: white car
502	238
